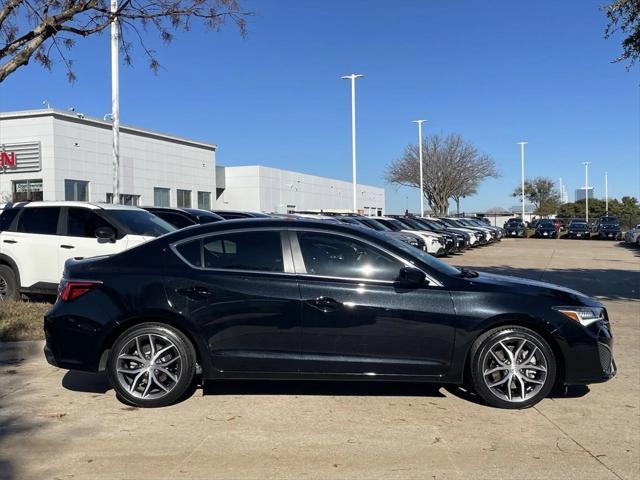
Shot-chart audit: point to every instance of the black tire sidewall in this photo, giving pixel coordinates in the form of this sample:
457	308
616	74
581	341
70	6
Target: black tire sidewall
185	348
478	352
9	277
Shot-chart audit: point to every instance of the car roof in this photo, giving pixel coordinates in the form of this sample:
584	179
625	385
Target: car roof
65	203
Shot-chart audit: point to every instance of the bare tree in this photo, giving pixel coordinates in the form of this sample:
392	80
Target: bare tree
42	29
542	193
452	168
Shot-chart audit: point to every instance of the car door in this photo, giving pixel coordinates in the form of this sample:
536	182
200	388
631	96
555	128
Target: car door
356	319
33	246
241	292
78	239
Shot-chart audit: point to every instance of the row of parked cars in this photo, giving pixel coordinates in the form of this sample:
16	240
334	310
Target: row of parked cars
604	228
37	238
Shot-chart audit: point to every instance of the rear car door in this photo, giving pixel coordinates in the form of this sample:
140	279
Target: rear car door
242	294
33	245
356	319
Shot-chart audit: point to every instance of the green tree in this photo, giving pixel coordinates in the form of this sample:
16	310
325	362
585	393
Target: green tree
624	16
541	192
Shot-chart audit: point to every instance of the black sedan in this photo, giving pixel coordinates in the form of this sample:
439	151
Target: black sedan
546	228
515	228
290	299
578	229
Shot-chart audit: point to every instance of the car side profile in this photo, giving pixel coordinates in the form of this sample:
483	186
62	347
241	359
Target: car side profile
37	238
291	299
184	217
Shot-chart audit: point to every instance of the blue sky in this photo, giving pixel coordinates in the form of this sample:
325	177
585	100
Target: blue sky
495	72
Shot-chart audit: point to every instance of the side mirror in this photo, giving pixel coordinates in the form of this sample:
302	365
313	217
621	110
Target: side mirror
105	234
411	276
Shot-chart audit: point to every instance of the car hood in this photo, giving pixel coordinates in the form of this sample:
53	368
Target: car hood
526	286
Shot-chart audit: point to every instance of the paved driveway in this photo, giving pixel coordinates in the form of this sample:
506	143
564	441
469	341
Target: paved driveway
55	424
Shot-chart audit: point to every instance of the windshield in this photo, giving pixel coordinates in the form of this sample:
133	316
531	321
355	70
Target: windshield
514	223
412	223
373	223
546	222
578	225
609	221
140	222
423	257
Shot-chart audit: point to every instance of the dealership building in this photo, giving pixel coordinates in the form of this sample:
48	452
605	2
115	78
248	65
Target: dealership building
56	155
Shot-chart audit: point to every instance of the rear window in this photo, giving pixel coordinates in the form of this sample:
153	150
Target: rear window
6	217
39	220
82	222
140	222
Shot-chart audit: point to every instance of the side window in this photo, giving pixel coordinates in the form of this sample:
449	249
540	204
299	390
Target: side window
339	256
175	219
191	252
82	222
41	220
6	218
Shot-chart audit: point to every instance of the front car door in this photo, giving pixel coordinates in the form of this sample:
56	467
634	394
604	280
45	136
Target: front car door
242	294
356	319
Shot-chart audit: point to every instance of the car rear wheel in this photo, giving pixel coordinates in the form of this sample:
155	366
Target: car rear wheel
8	284
512	367
151	365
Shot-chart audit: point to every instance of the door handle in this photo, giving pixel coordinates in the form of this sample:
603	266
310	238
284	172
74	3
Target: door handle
10	241
326	304
67	246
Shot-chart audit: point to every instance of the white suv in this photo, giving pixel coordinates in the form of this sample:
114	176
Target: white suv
37	238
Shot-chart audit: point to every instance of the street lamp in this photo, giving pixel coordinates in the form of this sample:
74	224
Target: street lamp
115	103
420	122
606	194
586	190
522	144
353	78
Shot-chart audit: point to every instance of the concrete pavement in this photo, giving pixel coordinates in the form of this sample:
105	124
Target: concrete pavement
56	424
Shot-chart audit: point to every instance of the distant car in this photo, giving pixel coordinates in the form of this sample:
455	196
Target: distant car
578	229
435	243
515	228
236	214
184	217
546	228
607	228
36	239
632	237
410	238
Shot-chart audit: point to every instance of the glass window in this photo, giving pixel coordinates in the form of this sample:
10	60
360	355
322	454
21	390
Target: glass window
27	190
192	252
125	199
177	220
161	197
184	198
82	222
259	251
77	190
6	218
139	222
338	256
204	200
41	220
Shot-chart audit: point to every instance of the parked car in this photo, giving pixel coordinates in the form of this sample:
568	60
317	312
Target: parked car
463	239
606	228
475	237
632	237
546	228
484	235
578	229
409	238
272	298
434	243
184	217
496	232
237	214
37	238
515	227
450	241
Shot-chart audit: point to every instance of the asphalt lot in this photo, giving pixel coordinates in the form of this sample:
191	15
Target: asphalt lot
55	424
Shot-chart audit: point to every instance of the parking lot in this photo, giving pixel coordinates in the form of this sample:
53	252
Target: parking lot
56	424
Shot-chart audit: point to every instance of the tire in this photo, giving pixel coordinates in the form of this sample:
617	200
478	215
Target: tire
537	375
8	284
144	381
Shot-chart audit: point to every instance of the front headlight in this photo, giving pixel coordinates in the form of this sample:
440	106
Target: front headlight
584	315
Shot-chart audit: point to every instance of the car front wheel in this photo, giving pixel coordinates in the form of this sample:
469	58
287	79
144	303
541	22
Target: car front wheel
8	284
151	365
512	367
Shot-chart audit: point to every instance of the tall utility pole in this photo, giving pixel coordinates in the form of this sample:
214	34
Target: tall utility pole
420	122
606	194
115	103
561	192
353	78
522	144
586	190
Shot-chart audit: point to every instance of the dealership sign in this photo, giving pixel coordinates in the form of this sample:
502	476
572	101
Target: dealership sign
20	157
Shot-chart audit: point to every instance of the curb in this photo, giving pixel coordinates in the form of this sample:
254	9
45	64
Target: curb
25	350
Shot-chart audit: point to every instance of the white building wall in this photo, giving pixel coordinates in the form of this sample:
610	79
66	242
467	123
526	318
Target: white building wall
267	189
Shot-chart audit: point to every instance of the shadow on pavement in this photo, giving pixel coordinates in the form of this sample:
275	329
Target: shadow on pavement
86	382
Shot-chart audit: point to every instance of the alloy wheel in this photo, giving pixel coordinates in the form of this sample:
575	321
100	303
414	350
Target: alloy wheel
4	289
514	369
149	366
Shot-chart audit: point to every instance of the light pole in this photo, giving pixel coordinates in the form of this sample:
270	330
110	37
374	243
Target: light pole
522	144
420	122
353	77
561	195
606	194
586	190
115	103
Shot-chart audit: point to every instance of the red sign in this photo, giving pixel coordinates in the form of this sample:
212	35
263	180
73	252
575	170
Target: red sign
7	159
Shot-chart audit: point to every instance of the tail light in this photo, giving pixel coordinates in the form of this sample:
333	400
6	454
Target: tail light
71	289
